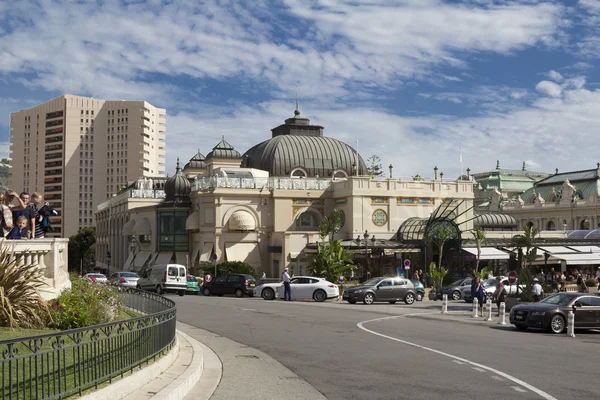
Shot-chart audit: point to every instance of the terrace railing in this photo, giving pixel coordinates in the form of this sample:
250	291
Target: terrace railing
57	365
213	182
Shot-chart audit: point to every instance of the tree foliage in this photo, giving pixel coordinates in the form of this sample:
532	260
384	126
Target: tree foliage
235	267
439	234
479	236
526	245
436	275
82	247
331	259
374	167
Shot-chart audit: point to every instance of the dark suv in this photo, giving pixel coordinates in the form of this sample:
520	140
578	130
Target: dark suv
238	284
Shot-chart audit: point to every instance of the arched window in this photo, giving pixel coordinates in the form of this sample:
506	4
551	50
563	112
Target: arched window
585	224
551	226
298	173
340	174
308	220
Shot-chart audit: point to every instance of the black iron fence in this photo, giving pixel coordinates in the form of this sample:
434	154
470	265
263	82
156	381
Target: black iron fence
57	365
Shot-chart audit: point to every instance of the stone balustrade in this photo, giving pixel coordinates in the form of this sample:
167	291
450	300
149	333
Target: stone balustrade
49	255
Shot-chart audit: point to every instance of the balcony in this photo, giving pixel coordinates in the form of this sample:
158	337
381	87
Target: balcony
54	147
54	123
208	183
52	156
49	255
51	172
55	188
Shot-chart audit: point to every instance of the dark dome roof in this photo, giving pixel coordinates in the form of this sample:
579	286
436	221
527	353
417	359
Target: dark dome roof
297	144
177	190
196	162
223	150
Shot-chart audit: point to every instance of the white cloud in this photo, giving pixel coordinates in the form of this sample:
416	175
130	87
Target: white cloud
555	76
549	88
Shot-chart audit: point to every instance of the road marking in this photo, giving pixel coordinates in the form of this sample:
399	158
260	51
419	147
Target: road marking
458	362
478	369
519	382
498	378
519	389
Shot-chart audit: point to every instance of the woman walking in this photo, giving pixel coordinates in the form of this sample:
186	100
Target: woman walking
478	293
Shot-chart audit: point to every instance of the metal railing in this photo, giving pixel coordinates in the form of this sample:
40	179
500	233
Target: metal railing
206	183
57	365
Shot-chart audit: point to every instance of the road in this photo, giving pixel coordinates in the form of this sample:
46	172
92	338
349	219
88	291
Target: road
398	351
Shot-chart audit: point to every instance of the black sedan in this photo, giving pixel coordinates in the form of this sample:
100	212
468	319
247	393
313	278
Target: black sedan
551	313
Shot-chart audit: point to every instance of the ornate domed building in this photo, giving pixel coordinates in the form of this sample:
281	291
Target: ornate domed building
299	149
196	166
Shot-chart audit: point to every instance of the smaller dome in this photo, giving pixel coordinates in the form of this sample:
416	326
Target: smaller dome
177	189
196	162
223	150
242	221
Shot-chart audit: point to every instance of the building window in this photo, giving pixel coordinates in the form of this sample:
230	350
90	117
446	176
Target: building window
298	173
551	226
308	220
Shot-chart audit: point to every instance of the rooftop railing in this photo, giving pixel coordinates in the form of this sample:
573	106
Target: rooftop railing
207	183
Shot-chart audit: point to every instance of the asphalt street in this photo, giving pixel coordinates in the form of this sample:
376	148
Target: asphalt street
397	351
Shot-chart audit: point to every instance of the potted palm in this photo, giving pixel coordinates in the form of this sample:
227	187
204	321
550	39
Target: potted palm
436	276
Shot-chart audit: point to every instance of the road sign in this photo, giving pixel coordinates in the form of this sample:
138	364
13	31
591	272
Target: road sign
512	277
407	264
207	278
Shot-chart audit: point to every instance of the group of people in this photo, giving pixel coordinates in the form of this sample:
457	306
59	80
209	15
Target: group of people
22	218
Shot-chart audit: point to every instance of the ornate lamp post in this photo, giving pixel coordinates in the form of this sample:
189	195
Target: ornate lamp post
441	176
366	241
435	171
108	257
391	167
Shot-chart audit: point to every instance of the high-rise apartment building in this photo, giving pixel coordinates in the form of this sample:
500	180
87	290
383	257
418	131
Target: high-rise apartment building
78	151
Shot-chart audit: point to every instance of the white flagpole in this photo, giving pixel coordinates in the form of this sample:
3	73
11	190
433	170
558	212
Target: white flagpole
460	159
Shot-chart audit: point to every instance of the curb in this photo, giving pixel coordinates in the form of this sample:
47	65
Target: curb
128	384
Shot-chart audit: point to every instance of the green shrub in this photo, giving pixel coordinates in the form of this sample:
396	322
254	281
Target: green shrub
591	283
235	267
20	304
86	303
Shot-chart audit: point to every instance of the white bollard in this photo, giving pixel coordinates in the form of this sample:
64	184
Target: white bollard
445	304
489	310
475	306
571	324
502	314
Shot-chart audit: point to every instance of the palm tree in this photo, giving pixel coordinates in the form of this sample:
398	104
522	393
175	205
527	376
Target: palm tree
528	241
479	236
439	234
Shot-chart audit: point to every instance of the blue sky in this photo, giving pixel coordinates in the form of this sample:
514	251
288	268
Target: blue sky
411	80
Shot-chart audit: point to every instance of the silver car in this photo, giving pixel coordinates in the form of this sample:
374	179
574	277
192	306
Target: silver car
456	290
126	279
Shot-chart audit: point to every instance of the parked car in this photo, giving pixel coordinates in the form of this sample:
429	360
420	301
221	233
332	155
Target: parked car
237	284
551	313
490	288
382	289
419	288
193	285
126	279
96	277
456	290
162	278
302	287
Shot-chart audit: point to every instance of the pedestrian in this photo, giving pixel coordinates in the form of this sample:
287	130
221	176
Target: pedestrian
26	212
287	289
20	231
537	290
422	277
581	285
500	293
264	276
37	201
478	292
6	221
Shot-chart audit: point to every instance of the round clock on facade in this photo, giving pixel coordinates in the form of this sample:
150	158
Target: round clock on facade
379	217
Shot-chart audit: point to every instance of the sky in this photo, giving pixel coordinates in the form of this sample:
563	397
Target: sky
413	81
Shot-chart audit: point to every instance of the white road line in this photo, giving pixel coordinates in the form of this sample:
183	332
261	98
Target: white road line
478	369
519	389
519	382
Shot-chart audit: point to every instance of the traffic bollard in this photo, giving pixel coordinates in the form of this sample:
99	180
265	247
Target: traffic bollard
571	324
445	304
489	310
502	313
475	306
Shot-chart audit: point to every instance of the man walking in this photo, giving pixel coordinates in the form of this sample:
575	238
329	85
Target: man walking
537	290
287	289
500	293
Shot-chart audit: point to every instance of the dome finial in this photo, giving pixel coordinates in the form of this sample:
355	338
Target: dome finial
297	110
497	164
177	167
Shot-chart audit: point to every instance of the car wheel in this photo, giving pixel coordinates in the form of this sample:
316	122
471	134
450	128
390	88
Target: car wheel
268	294
456	295
557	324
392	301
521	327
369	298
206	291
352	301
409	298
239	293
419	297
181	293
319	296
159	290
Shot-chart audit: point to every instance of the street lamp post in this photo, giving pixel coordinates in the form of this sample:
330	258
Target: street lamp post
391	167
108	257
366	240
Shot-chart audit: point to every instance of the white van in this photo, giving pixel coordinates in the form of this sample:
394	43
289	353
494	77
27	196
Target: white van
161	278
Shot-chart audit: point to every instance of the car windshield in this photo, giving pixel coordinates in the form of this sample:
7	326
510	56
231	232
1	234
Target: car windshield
456	283
129	275
560	299
98	276
372	282
490	282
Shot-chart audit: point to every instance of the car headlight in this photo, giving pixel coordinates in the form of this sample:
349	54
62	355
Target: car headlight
358	291
538	313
